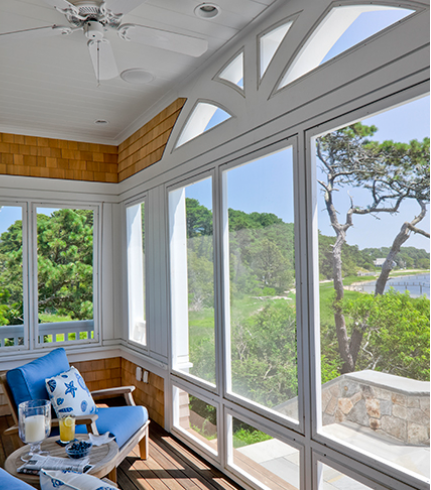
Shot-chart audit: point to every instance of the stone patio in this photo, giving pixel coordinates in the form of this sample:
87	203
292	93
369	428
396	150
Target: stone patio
282	460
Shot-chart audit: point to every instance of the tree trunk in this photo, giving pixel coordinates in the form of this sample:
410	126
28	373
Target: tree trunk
402	237
340	322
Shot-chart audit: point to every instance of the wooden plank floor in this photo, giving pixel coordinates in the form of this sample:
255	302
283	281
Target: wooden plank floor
171	465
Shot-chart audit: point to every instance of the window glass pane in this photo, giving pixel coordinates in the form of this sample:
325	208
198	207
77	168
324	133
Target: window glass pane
136	272
266	460
330	479
204	117
269	44
234	71
197	418
65	274
373	255
11	277
259	240
341	29
192	279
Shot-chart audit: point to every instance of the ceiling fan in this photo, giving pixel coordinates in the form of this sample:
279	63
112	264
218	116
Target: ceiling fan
94	18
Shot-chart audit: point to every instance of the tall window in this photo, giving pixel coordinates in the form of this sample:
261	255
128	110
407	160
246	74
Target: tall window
65	274
260	266
12	257
192	279
136	272
373	236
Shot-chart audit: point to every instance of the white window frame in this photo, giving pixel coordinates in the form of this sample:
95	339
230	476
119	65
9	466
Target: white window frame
296	58
268	427
214	456
96	275
179	305
382	468
261	70
224	237
25	276
137	201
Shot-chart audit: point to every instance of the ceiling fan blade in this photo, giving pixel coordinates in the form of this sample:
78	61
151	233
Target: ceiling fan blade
158	38
36	32
123	6
60	4
103	60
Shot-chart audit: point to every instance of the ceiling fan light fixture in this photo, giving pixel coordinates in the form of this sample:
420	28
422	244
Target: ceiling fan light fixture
137	76
207	10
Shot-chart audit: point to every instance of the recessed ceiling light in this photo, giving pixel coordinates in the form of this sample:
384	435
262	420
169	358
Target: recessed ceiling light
138	76
101	122
207	10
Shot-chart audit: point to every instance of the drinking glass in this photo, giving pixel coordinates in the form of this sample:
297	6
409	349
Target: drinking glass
67	428
34	425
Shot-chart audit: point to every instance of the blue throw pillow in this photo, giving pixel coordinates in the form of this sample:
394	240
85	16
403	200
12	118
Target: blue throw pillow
69	394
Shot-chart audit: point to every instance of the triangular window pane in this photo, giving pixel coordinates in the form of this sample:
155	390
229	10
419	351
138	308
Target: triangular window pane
269	44
341	29
204	117
234	71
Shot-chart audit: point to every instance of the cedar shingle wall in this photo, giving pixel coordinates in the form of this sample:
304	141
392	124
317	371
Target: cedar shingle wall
32	156
147	145
150	395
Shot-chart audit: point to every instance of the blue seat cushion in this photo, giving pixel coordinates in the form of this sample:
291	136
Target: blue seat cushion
9	482
122	422
28	382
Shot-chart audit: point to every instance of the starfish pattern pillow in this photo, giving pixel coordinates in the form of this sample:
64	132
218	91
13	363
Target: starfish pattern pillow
69	480
69	395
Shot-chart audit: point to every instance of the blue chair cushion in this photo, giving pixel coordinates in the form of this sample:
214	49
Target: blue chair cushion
122	422
9	482
28	382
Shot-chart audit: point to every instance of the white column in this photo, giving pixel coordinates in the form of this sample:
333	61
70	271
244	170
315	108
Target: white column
135	279
179	287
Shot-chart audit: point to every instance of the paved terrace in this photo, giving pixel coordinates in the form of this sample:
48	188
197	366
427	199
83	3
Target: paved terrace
282	461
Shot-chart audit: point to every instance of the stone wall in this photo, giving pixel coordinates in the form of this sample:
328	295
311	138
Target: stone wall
387	404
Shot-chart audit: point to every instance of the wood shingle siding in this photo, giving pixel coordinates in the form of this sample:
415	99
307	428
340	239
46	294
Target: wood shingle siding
30	156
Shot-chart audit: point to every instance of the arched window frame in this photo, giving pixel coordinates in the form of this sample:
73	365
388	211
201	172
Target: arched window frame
302	46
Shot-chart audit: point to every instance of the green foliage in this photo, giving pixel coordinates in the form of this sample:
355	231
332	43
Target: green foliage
4	308
243	437
203	409
407	257
264	360
65	265
199	219
354	259
396	329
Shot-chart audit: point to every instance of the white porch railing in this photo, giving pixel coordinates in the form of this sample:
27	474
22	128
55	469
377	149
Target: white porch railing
14	334
48	332
63	331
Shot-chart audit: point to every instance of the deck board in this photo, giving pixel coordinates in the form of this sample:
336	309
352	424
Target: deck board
170	466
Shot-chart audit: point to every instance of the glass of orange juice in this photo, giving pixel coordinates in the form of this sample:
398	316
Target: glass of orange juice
67	428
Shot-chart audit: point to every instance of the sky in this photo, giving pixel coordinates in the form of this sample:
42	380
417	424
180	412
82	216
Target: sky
265	185
10	214
402	124
367	24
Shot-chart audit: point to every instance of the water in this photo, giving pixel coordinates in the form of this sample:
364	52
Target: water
417	285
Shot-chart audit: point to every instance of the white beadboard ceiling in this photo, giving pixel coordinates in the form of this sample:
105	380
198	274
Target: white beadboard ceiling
48	86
